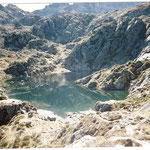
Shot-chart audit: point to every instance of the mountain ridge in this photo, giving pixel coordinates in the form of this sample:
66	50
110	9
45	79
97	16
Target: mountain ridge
90	8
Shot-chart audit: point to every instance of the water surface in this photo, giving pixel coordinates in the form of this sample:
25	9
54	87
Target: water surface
58	92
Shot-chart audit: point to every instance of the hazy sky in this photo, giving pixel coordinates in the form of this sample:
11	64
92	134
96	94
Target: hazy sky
31	7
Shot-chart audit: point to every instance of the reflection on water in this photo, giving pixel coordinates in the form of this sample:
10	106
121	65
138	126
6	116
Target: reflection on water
58	92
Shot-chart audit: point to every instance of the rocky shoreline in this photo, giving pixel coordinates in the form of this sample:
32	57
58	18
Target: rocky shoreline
112	123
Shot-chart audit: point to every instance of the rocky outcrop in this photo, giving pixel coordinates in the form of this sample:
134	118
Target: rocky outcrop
29	20
15	11
108	44
119	77
94	41
27	68
2	95
85	129
21	38
10	108
17	40
102	107
63	28
106	129
17	68
11	14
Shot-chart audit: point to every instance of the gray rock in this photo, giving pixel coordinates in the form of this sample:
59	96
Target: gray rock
17	40
29	20
51	118
92	85
9	108
3	96
70	46
84	80
17	68
102	106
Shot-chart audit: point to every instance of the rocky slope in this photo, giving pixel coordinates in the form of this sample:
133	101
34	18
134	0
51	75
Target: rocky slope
59	28
115	44
115	40
90	8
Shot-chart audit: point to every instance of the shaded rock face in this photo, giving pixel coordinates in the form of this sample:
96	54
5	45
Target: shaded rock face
63	28
140	84
108	44
10	108
15	11
21	39
17	68
131	76
11	14
91	8
27	67
17	40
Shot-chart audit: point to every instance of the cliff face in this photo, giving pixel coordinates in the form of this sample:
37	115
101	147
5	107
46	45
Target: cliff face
119	37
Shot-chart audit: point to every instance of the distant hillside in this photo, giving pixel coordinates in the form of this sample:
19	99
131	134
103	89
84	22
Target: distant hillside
91	8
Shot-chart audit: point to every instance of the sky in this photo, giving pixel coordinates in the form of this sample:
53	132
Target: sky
32	5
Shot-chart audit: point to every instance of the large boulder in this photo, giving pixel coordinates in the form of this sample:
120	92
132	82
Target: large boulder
17	68
11	107
102	106
2	95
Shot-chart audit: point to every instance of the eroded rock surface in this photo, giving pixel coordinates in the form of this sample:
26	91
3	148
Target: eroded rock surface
119	77
11	107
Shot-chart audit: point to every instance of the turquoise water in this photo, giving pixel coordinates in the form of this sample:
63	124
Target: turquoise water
58	92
